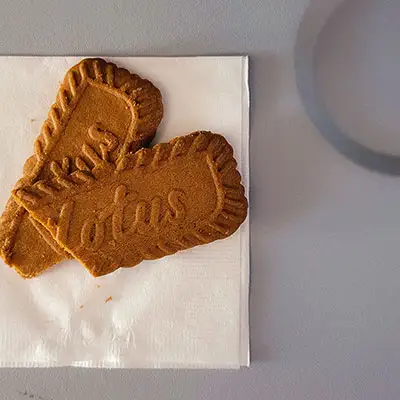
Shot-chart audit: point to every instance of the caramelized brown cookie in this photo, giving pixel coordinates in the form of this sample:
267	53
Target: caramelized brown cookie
154	203
102	112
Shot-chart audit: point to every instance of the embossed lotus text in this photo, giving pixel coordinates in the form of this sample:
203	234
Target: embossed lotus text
148	217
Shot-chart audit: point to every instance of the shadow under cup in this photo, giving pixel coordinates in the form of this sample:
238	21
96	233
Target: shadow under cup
347	67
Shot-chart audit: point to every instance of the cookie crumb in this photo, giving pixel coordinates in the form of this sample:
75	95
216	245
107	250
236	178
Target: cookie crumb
98	286
33	120
80	306
108	299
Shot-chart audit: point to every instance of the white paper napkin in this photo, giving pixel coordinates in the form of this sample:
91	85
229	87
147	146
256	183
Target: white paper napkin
186	310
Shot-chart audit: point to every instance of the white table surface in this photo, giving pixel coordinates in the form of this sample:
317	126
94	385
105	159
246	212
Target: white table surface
325	233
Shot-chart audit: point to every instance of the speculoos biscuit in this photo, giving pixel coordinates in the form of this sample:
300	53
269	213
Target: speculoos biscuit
150	204
102	112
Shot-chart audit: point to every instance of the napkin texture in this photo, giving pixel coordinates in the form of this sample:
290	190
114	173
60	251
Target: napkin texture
189	310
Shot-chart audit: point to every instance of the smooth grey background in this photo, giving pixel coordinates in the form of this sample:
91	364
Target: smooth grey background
325	272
